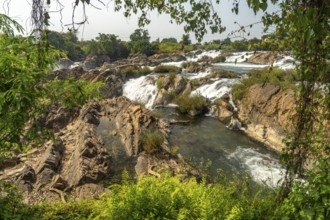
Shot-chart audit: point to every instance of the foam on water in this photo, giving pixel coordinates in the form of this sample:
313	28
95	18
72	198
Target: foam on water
262	167
142	90
211	53
215	90
239	57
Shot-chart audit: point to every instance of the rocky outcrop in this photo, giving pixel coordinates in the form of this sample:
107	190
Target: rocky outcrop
169	87
265	111
158	59
97	144
93	62
261	58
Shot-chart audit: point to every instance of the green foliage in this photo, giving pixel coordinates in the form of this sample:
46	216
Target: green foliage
61	92
169	47
169	198
82	209
107	44
283	78
152	141
219	59
166	69
66	42
188	103
140	43
185	40
135	71
223	74
11	203
23	71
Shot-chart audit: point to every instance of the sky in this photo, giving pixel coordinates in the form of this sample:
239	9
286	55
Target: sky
107	21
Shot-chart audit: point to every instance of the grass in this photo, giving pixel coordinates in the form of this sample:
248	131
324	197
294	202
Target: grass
152	141
133	71
219	59
188	103
167	69
223	74
285	79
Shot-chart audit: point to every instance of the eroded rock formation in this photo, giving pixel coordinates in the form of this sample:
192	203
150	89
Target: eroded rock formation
100	141
265	112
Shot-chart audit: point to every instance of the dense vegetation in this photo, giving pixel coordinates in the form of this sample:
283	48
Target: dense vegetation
285	79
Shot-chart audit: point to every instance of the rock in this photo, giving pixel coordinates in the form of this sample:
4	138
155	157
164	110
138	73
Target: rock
64	64
92	62
234	124
89	190
223	110
81	156
26	179
61	74
59	183
58	118
9	162
179	85
52	156
261	58
265	111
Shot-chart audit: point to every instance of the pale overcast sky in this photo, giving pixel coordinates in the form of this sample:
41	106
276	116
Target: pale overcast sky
108	21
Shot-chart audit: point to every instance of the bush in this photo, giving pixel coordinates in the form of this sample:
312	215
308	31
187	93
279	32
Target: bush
62	91
223	74
169	47
285	79
11	203
167	69
187	104
169	198
219	59
135	71
152	141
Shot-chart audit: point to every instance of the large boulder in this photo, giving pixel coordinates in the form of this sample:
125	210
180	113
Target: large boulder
261	58
265	111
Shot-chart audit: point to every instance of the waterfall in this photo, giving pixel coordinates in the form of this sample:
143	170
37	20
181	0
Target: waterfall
142	90
215	90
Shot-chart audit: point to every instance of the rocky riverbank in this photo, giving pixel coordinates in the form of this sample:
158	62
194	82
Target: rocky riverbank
95	143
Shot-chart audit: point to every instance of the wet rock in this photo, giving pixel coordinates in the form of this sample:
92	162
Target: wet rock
64	63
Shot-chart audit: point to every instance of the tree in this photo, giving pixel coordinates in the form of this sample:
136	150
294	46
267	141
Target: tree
107	44
185	40
169	40
140	42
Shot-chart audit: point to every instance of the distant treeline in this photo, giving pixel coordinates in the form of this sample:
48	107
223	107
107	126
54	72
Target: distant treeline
115	48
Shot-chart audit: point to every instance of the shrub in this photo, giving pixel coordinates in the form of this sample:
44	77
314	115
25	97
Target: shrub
11	203
219	59
186	103
223	74
152	141
135	71
62	91
167	69
285	79
169	198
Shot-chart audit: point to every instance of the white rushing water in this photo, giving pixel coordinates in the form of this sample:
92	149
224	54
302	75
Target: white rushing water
215	90
142	90
239	57
262	167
